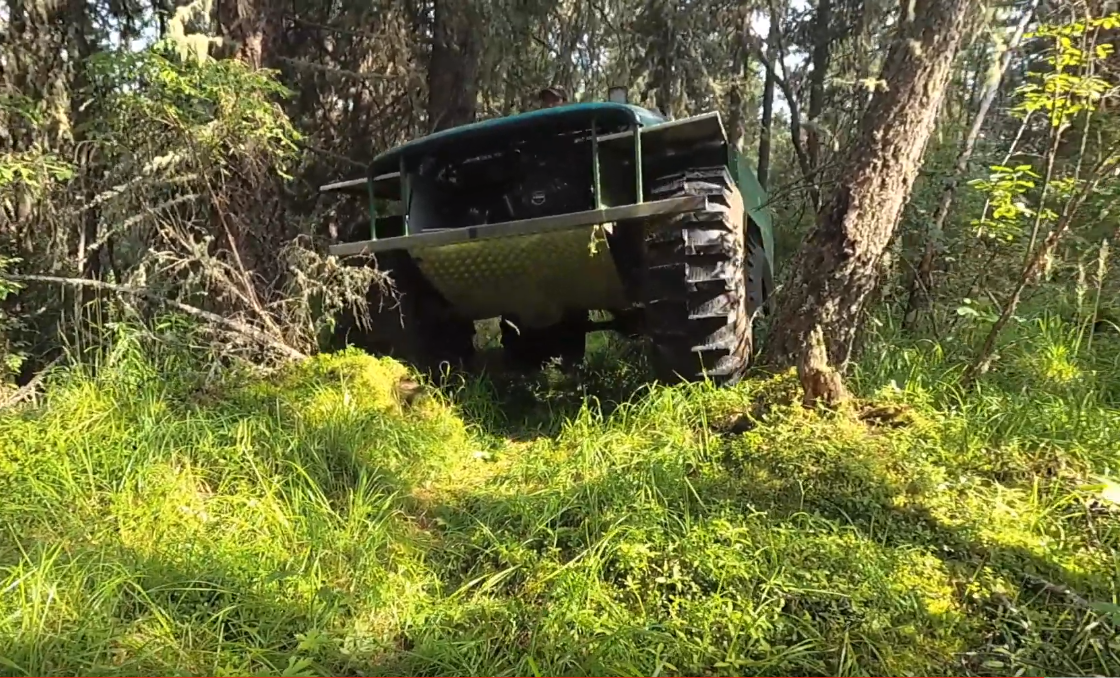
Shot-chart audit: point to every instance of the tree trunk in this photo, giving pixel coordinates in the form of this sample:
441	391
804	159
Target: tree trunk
248	31
767	125
822	47
83	108
663	70
835	270
736	125
453	69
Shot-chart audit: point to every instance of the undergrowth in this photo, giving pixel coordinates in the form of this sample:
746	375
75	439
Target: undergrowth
161	520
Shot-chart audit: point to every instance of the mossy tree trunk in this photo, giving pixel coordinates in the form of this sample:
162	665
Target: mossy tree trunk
836	269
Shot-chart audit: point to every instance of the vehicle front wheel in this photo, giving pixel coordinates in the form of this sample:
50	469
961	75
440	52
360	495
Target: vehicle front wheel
695	286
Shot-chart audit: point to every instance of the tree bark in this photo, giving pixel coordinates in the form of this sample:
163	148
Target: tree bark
767	125
249	30
835	271
663	63
453	69
736	125
822	51
82	110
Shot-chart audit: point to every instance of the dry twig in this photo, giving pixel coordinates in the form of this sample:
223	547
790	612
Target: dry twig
28	390
236	326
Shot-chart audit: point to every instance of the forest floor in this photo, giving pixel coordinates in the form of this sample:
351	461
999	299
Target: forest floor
157	519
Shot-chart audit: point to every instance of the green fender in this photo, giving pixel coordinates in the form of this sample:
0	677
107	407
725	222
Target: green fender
756	202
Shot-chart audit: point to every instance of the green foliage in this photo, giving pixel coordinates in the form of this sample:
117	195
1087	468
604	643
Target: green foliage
36	167
214	109
306	523
10	357
1069	88
1061	93
1006	188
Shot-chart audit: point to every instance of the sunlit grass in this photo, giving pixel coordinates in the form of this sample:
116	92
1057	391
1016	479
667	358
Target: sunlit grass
160	520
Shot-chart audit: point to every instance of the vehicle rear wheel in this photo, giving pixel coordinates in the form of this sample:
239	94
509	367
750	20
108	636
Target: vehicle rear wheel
527	348
694	284
410	321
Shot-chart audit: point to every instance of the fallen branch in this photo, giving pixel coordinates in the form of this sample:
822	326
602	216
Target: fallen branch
1059	590
235	326
137	218
28	389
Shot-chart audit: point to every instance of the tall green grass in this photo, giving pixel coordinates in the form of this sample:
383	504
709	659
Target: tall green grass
160	519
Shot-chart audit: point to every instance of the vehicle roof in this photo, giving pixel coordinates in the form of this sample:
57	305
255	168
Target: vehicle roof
606	112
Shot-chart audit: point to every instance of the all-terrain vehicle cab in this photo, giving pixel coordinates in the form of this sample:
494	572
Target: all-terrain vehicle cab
542	217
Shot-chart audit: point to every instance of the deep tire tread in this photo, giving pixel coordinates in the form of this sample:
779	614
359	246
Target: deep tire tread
695	281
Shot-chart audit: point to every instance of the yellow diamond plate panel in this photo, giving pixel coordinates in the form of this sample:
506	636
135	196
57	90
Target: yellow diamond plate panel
535	276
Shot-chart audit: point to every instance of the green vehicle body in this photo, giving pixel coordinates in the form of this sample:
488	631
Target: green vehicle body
543	262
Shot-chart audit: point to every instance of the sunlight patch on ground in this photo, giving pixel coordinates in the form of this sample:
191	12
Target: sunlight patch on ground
312	522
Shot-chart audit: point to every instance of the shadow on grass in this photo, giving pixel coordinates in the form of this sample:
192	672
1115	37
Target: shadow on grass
1028	612
1022	610
529	406
241	536
684	557
151	615
705	569
597	581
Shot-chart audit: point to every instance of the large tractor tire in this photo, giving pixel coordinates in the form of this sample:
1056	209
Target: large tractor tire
409	321
695	283
528	348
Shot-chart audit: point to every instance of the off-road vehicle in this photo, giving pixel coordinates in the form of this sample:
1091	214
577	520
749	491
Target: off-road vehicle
541	217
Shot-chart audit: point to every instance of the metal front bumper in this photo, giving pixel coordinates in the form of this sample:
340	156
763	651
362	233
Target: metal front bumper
535	268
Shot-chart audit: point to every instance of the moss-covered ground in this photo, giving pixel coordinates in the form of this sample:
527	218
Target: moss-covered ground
158	519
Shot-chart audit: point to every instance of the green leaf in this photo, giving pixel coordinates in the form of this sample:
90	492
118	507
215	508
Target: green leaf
1109	609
